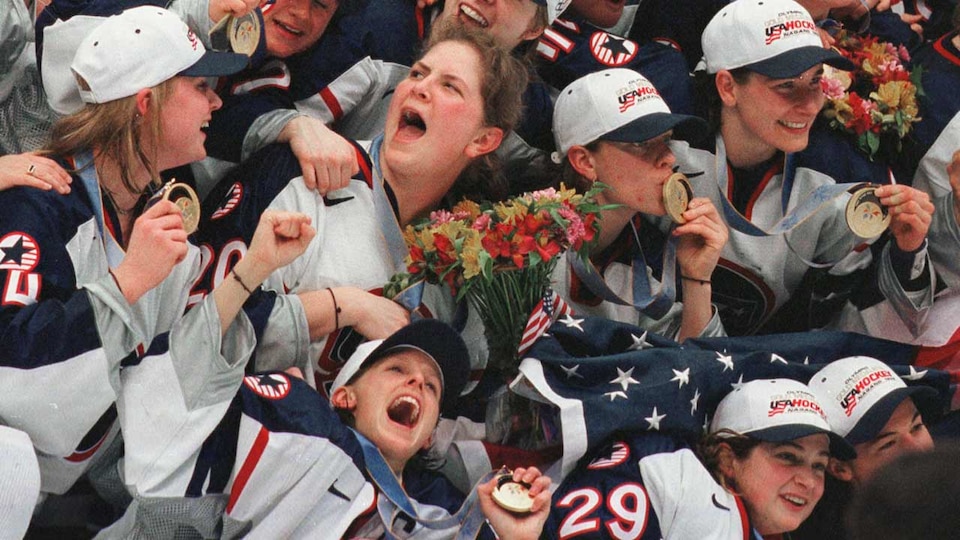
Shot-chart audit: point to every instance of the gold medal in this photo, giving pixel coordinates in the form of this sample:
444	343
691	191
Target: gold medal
511	495
676	196
186	200
866	217
237	34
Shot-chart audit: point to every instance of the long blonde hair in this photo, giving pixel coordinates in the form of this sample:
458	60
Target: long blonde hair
115	130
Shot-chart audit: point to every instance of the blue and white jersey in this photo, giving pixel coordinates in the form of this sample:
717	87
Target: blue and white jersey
255	456
350	248
936	138
66	328
756	276
644	486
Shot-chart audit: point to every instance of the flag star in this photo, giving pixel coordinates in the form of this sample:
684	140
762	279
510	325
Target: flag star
615	394
683	377
571	371
625	378
777	358
654	420
914	374
726	360
738	384
639	343
572	322
695	402
706	422
806	360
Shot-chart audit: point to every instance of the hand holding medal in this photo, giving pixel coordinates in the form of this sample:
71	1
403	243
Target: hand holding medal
186	200
516	503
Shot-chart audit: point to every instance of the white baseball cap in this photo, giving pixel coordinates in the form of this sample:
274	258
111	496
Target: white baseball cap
436	339
140	48
776	410
615	105
776	38
859	394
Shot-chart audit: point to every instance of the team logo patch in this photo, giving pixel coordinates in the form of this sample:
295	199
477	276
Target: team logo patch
619	453
269	385
611	50
19	252
232	199
635	92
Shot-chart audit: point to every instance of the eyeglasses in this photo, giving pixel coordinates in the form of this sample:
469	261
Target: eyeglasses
648	150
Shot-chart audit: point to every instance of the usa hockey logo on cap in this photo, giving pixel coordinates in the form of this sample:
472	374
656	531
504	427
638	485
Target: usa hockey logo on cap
858	386
788	24
635	92
794	402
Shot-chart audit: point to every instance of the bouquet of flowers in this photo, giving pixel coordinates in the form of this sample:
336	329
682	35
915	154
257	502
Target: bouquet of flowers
877	102
500	257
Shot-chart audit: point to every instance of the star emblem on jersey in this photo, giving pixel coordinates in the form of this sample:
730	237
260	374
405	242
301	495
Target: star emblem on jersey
268	385
618	454
231	200
19	252
611	50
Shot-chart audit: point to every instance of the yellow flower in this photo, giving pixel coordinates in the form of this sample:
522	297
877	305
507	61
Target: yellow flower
468	207
470	254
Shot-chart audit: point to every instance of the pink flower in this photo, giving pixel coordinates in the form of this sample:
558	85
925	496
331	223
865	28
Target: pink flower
575	230
482	222
904	53
549	193
832	88
440	217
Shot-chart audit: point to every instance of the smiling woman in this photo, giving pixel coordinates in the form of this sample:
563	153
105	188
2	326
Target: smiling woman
762	90
759	470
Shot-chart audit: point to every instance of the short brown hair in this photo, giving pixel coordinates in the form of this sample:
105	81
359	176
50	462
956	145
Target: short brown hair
503	81
709	448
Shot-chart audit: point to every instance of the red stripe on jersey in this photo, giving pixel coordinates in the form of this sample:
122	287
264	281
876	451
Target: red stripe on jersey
331	102
776	168
418	14
77	457
744	519
249	464
941	48
364	167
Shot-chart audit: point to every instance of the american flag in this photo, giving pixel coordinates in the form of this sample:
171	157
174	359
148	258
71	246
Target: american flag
545	313
605	377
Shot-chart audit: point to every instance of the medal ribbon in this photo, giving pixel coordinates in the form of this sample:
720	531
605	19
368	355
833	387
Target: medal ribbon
654	305
821	196
469	518
88	175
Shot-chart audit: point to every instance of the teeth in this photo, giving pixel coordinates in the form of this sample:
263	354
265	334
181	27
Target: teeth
794	125
475	15
405	410
205	125
289	29
795	500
